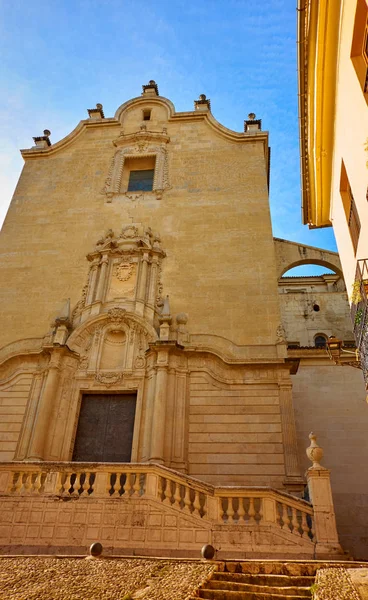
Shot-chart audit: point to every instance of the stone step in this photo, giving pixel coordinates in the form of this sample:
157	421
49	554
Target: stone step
233	586
261	579
230	595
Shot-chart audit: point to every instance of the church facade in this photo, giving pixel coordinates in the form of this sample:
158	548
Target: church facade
144	369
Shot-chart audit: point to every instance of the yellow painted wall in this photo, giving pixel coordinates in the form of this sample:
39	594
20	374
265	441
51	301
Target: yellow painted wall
351	133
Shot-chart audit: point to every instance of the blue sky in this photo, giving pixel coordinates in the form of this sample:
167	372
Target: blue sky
61	57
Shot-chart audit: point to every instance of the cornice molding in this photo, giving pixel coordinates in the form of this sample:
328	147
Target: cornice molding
318	33
115	122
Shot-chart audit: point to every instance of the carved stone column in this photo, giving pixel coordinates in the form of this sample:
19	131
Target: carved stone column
102	279
141	295
38	442
92	281
153	282
293	481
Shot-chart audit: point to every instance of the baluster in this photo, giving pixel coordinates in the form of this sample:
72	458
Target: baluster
65	484
76	485
294	521
18	484
278	515
167	492
230	509
127	485
27	484
177	495
305	527
241	510
285	516
160	490
222	510
260	510
196	503
85	484
204	506
60	483
37	483
251	510
187	501
137	485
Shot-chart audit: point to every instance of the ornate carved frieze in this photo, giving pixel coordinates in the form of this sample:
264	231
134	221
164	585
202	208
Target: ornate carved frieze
143	144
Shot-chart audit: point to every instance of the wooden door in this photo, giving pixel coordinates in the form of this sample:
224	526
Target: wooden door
105	428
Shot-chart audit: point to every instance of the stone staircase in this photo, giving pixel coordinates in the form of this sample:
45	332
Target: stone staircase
241	586
264	580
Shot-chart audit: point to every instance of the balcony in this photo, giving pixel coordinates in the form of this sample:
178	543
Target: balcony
359	313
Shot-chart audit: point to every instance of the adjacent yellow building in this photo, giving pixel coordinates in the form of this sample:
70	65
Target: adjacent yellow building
333	97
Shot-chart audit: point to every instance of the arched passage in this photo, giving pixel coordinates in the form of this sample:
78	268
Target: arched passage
291	254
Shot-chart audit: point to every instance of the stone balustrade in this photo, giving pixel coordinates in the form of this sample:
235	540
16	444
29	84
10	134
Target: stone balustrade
227	506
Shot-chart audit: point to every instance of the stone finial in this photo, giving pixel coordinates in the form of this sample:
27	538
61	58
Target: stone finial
252	124
203	103
96	113
314	452
165	320
43	141
151	89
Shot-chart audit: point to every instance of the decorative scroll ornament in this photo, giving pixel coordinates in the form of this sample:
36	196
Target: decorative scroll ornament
109	378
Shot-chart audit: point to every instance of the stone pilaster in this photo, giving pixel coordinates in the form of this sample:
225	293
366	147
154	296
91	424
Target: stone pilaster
102	278
293	479
41	428
92	282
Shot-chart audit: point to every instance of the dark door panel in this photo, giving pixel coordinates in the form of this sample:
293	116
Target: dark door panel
105	428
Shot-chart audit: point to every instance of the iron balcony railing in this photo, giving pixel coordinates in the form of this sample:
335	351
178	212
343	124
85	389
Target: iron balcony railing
359	313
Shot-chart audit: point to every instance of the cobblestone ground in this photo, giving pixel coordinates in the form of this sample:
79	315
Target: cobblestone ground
334	584
39	578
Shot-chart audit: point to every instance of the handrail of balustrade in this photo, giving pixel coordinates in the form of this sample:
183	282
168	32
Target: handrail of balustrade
160	470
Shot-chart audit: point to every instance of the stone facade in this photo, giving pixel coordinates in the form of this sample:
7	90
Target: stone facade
168	296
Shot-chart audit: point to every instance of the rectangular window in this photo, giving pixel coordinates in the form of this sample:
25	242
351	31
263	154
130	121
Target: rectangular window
141	181
138	174
351	211
359	46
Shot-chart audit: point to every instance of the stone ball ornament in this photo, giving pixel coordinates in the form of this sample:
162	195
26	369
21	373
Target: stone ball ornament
182	318
208	552
314	452
96	549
